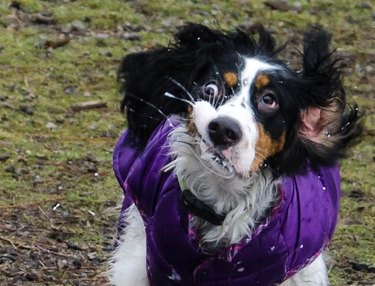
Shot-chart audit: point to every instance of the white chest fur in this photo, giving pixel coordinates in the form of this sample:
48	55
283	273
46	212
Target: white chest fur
244	200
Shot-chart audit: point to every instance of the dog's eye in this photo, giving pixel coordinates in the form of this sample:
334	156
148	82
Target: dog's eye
211	90
267	102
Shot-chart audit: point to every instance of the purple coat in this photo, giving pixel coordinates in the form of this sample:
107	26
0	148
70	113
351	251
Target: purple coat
296	232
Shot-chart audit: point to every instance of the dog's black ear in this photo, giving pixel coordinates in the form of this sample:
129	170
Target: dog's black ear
316	54
326	127
144	78
196	35
319	68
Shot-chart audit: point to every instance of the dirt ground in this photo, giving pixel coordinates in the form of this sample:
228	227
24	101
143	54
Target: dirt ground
59	121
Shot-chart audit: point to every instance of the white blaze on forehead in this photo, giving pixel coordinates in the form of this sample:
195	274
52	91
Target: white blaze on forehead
251	69
239	108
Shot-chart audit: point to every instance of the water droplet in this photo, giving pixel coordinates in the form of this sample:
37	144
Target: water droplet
301	246
324	188
241	269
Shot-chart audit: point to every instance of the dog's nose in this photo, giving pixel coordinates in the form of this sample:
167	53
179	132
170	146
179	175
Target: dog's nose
224	131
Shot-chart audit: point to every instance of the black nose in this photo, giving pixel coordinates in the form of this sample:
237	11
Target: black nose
224	131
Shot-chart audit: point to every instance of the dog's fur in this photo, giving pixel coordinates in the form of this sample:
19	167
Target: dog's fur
248	120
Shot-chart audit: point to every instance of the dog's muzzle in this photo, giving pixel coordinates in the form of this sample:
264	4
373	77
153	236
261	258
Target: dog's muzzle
224	131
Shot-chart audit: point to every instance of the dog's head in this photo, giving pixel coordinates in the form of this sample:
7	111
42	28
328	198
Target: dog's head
245	108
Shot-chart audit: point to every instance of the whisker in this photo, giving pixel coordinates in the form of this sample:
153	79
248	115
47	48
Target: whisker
154	107
182	87
167	94
145	116
221	97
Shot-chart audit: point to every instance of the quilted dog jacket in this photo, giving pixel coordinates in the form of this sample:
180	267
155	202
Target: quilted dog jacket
294	234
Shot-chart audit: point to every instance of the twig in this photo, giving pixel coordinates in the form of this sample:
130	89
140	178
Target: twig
8	241
54	252
56	198
22	245
88	105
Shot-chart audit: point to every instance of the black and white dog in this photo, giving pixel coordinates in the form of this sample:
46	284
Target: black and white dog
245	123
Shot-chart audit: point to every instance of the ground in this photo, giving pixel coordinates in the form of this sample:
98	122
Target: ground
59	121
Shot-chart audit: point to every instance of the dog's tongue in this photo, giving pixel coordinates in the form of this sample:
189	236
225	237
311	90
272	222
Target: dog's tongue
227	153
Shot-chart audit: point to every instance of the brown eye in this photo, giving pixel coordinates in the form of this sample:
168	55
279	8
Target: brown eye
267	102
210	90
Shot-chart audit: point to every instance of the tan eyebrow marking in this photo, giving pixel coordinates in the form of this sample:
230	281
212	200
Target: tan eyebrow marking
261	81
230	78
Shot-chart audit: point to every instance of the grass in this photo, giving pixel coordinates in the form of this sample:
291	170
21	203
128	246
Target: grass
70	162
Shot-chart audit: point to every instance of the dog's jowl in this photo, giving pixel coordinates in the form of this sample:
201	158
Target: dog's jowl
229	163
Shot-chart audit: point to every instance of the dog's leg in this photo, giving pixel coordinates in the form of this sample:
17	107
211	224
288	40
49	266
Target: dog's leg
128	263
315	274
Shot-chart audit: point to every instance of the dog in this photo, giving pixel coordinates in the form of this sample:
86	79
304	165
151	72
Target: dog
229	163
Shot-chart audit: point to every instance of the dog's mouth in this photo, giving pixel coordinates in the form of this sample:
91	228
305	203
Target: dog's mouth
216	158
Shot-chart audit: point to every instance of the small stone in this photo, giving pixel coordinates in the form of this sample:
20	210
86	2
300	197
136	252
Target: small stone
77	26
62	264
59	120
43	18
57	42
92	127
102	36
91	255
131	36
366	5
106	54
369	69
69	90
91	167
77	263
10	227
73	246
27	109
51	125
282	6
32	276
37	179
4	156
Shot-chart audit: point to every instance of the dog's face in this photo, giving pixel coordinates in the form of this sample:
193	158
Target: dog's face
239	117
244	107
